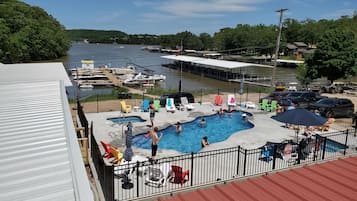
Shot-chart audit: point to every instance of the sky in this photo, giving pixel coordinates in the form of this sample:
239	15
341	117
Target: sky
197	16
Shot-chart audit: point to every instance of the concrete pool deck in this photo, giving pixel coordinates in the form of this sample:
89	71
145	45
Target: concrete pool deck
265	129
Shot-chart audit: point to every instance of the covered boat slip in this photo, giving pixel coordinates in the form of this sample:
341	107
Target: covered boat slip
221	69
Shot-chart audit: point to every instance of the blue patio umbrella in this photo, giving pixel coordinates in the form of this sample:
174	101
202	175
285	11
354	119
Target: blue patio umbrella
301	117
128	153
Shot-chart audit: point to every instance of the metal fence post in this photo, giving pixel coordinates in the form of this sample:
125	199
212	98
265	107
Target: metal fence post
274	156
324	148
345	148
245	161
238	160
191	168
137	178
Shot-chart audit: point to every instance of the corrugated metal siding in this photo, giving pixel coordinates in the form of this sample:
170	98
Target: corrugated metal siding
35	161
335	180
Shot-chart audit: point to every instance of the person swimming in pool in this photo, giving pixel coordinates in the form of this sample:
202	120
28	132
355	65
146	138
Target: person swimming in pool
203	122
178	127
204	141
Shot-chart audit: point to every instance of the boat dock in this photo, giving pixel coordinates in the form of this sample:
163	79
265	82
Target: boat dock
231	71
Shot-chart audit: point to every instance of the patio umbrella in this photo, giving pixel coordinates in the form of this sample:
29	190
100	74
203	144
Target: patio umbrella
128	155
301	117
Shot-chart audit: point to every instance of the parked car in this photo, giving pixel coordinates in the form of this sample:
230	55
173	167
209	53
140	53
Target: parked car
337	107
177	98
338	87
300	98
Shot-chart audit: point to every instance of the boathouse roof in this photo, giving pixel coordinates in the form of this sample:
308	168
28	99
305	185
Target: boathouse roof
33	72
213	63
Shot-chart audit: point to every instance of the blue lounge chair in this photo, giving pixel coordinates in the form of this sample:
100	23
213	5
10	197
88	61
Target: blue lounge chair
145	106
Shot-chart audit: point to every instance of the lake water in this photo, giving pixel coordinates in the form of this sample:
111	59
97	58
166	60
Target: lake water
115	55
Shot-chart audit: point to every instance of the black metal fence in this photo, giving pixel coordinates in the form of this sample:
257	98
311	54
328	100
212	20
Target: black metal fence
135	180
105	173
82	119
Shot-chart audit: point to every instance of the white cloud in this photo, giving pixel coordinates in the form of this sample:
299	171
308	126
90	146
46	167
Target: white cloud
200	8
339	13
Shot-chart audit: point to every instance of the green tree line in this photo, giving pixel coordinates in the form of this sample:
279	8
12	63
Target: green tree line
243	35
28	33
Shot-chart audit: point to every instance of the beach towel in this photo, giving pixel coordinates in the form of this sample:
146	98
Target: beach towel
170	105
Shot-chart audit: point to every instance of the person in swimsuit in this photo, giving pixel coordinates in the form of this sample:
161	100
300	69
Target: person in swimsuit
152	112
155	141
204	141
178	127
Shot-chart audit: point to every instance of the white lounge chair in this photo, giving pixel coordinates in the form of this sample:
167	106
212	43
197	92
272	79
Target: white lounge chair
231	100
158	175
186	104
128	167
170	105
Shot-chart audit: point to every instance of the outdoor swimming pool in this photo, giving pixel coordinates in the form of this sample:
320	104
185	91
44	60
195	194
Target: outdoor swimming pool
218	128
123	120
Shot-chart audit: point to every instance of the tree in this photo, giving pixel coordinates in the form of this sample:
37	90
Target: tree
335	56
302	75
29	34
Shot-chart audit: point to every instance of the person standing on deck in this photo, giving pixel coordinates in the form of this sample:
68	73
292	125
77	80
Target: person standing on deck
152	112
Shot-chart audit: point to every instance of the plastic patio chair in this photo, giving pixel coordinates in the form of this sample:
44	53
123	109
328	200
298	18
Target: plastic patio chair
170	105
264	104
218	100
145	106
179	175
157	105
272	106
108	153
124	107
117	155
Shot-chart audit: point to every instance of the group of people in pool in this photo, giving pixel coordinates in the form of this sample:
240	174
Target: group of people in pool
156	138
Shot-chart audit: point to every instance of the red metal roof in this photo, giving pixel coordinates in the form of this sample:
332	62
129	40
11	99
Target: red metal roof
334	180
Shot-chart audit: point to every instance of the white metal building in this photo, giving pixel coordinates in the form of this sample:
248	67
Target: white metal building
40	157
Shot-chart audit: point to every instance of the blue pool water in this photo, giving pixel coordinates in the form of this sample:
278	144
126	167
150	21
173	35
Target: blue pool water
218	128
123	120
333	146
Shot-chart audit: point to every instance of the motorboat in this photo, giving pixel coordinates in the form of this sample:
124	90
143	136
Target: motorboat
86	86
124	70
142	78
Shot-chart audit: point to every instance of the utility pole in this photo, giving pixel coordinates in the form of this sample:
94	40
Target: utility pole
180	83
281	11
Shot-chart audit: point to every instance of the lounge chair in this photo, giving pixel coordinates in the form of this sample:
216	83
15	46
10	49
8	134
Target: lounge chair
145	106
124	107
231	100
170	105
179	175
218	100
157	105
186	104
158	175
128	167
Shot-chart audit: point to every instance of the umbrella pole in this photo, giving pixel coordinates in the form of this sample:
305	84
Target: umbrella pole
297	135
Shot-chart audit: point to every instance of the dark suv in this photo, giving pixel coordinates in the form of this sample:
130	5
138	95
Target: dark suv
177	98
302	98
337	107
